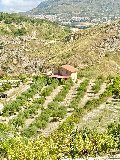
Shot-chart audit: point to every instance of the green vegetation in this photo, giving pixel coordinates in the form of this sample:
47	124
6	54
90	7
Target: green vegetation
20	32
20	120
48	90
54	110
67	141
62	94
31	109
15	106
114	130
98	84
40	45
78	144
16	25
80	93
1	45
5	130
5	86
116	87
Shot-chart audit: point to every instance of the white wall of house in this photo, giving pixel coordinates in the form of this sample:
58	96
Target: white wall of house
74	77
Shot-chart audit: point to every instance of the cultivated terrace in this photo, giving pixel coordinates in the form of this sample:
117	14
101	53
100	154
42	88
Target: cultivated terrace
35	125
43	118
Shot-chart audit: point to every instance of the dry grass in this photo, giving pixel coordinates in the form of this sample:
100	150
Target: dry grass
85	51
102	117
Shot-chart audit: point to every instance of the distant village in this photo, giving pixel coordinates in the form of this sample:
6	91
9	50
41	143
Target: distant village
77	20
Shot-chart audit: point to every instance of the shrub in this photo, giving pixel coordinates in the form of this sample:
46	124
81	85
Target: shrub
20	32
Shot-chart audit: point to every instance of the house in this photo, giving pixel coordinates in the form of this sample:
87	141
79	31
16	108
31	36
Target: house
65	72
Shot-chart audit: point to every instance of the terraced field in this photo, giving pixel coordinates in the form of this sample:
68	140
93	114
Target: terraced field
56	111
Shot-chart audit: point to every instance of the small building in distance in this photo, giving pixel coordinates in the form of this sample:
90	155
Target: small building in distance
65	72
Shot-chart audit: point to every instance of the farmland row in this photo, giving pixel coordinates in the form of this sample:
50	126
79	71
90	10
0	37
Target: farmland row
38	114
97	86
53	113
106	113
56	111
12	108
64	102
64	130
4	87
33	110
67	142
52	109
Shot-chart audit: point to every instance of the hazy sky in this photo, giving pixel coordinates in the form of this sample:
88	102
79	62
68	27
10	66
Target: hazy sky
18	5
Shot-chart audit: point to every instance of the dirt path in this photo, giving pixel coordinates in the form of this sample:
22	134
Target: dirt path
1	107
53	126
72	93
7	119
48	100
101	91
14	92
89	94
103	115
106	157
95	112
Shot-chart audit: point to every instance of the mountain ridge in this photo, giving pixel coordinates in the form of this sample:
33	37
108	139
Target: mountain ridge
89	7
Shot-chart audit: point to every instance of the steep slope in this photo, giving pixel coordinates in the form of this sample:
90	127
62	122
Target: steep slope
85	7
96	49
33	45
22	39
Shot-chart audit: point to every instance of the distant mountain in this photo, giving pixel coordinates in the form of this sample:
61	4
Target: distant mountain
84	7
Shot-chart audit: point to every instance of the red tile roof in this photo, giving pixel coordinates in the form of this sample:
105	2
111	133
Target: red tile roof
70	68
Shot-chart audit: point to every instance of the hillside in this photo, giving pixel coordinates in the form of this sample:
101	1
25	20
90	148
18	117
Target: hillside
22	39
85	7
42	118
36	45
